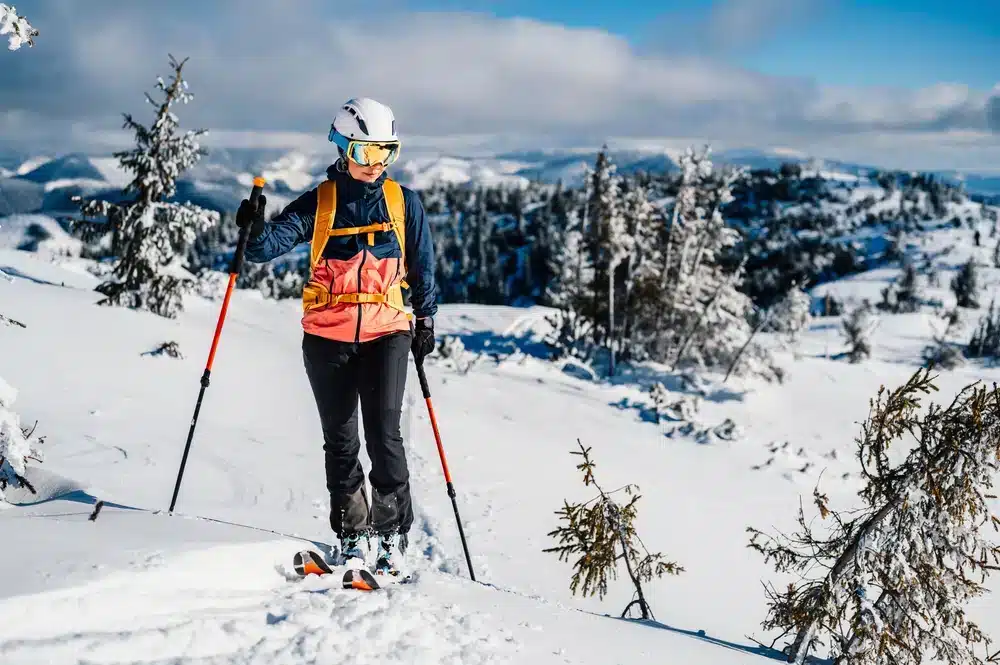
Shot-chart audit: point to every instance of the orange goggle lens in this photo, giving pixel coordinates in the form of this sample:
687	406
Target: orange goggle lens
368	154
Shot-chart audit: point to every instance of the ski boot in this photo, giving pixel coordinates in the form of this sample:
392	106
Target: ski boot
354	548
391	551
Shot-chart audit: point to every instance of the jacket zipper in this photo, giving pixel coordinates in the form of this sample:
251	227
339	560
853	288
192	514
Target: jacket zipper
364	256
365	208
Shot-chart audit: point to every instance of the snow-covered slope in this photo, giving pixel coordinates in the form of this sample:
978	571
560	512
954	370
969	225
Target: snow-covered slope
37	233
205	585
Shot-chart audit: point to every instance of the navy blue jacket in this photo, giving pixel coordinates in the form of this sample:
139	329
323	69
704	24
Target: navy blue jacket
358	204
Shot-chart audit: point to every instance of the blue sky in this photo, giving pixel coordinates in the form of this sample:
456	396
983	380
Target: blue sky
905	84
917	42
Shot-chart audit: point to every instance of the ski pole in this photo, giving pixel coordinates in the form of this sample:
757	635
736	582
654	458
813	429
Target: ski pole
234	271
444	463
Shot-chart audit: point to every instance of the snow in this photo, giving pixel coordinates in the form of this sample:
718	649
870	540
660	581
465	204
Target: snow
296	170
33	163
424	171
87	184
138	585
39	233
114	175
19	32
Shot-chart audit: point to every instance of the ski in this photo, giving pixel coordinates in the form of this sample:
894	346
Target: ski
360	579
308	562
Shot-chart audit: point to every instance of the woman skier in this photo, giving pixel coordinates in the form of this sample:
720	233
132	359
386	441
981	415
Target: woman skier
369	240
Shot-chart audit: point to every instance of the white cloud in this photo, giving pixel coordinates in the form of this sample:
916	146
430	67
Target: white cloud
736	24
285	65
940	106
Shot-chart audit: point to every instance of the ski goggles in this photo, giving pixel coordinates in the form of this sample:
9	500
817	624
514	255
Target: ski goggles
366	153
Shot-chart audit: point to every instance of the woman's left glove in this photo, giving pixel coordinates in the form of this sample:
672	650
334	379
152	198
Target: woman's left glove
423	339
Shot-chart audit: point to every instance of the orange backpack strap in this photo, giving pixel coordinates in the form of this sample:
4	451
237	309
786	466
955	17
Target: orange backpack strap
394	203
326	208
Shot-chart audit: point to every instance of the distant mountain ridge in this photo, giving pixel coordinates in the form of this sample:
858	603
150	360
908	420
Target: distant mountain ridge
46	184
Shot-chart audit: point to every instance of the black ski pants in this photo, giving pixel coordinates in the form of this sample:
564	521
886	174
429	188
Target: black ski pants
341	373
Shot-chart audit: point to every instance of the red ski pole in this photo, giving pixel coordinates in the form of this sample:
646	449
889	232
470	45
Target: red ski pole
425	389
234	272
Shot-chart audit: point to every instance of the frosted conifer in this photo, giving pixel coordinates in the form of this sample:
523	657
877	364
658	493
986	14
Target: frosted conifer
17	29
965	285
887	582
150	236
17	446
706	318
859	328
791	314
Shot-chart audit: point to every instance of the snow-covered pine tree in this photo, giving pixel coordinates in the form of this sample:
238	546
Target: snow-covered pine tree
621	245
570	293
859	328
642	266
944	353
481	230
603	214
903	295
791	314
446	246
17	445
496	283
707	317
965	285
19	32
887	582
149	236
546	229
985	341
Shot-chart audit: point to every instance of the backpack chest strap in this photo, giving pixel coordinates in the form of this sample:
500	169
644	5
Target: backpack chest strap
370	229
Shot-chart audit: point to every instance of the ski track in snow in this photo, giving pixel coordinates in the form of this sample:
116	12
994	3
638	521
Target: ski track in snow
199	608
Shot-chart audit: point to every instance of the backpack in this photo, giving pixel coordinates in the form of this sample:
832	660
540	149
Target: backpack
315	295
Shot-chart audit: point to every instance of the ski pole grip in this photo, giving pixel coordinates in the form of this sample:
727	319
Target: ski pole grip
424	386
241	243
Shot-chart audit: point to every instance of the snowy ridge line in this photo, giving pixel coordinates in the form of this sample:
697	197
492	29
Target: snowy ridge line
100	503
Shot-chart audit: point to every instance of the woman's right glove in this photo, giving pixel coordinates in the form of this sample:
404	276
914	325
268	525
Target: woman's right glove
248	215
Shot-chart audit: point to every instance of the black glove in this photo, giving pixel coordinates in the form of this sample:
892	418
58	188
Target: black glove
247	215
423	339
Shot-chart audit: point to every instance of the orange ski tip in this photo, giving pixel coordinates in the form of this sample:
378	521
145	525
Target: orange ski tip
259	182
360	585
311	568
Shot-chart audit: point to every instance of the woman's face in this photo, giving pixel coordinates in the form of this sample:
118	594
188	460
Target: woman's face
364	173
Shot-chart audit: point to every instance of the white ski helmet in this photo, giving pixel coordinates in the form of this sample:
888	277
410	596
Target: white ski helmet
365	119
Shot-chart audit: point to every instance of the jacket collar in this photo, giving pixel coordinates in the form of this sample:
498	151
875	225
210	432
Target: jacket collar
350	189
